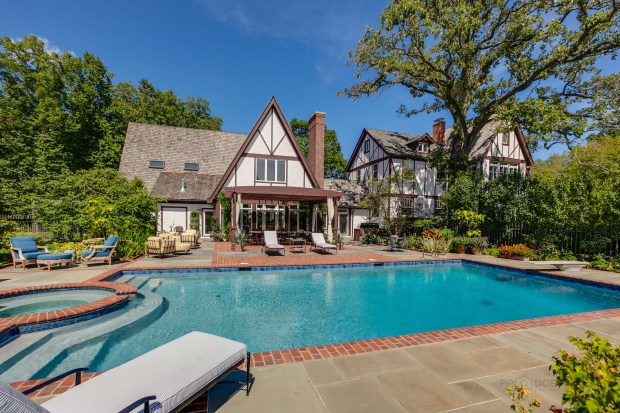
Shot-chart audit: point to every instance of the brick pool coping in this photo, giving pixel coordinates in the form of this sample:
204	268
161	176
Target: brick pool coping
321	352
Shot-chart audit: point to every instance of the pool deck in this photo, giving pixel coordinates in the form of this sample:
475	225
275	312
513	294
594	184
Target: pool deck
457	370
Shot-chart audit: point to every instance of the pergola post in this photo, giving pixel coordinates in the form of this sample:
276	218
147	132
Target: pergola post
336	221
233	217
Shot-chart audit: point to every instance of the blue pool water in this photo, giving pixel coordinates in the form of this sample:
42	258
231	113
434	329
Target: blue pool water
280	309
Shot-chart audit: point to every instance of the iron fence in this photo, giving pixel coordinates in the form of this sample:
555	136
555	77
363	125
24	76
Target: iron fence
24	222
579	241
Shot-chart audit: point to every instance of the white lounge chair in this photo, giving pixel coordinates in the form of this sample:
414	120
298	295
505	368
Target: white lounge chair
165	379
319	242
271	242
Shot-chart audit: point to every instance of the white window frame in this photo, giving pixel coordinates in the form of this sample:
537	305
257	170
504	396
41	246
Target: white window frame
266	169
505	138
422	147
367	146
494	170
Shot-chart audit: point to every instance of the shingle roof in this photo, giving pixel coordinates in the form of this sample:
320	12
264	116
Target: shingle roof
211	150
197	186
480	147
395	143
352	192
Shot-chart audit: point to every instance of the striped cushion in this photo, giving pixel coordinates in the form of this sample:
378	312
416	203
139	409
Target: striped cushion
173	372
12	401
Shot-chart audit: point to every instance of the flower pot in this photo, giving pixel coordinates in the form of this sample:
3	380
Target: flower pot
233	247
474	251
460	249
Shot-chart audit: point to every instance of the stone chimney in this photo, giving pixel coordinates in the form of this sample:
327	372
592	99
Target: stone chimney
316	146
439	131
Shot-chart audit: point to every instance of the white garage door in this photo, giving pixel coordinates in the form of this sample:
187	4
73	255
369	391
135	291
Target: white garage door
173	217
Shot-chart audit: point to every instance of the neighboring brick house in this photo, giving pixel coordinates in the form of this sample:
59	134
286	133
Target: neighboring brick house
264	173
378	154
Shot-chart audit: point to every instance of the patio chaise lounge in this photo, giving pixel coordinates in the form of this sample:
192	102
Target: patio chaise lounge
101	253
319	242
25	250
271	242
163	380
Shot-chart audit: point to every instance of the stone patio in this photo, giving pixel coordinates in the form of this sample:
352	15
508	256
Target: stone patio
456	375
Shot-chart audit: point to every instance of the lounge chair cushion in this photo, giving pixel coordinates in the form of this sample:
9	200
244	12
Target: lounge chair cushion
12	401
48	257
103	253
112	239
27	243
173	372
32	255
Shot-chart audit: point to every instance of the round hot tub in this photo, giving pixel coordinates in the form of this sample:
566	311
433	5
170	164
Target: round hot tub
51	300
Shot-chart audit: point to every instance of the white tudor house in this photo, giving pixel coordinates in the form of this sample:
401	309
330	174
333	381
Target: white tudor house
379	154
270	183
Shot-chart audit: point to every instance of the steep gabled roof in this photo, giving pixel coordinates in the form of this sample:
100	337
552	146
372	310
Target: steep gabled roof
394	143
211	150
196	186
272	105
352	192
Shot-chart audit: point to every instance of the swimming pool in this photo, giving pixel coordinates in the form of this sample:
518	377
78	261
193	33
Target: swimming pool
278	309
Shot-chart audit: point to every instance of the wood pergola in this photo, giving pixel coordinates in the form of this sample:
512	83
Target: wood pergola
283	195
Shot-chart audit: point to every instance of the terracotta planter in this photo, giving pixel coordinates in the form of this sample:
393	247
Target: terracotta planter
233	247
474	251
460	249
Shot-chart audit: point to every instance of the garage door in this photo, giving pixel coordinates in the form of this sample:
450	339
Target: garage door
173	217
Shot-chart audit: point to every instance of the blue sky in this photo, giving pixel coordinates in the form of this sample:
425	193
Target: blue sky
235	53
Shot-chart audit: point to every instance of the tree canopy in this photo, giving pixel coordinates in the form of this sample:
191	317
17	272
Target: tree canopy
515	61
335	163
61	113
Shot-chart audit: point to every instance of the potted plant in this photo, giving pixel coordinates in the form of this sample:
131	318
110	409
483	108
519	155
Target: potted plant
241	239
340	237
515	252
459	244
477	244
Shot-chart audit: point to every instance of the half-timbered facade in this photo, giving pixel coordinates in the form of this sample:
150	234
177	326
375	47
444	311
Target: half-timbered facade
380	154
270	183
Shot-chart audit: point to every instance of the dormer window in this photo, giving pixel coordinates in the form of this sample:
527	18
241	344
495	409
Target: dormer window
190	166
157	164
367	146
422	147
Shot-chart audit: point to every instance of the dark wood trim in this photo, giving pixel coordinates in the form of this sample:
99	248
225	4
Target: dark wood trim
366	165
272	105
504	159
264	156
525	150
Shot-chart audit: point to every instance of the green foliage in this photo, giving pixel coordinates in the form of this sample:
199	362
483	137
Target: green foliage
521	399
468	222
194	222
462	193
460	242
591	379
131	243
491	250
241	238
57	247
225	208
61	114
7	226
5	242
5	256
600	262
95	203
451	53
335	164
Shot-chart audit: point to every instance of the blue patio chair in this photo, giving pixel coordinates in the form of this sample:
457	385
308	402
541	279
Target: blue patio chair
25	250
101	253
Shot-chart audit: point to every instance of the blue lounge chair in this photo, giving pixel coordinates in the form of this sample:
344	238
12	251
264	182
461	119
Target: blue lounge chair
25	250
101	253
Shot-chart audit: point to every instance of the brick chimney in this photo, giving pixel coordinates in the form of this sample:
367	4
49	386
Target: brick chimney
316	146
439	131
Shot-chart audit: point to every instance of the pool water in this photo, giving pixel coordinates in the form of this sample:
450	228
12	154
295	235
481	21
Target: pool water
279	309
48	301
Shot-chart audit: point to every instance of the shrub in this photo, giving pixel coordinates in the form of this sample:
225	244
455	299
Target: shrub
7	226
195	221
591	379
78	247
131	244
517	250
600	262
460	242
5	256
491	250
414	243
467	221
478	242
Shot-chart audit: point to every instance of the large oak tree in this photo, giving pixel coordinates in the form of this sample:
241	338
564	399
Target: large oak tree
485	60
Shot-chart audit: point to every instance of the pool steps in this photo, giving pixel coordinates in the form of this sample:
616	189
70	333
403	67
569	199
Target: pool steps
68	337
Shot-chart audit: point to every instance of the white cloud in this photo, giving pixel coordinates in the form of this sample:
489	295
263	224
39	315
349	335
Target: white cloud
328	26
48	47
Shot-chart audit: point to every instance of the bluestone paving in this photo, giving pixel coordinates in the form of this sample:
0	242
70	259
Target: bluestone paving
359	396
